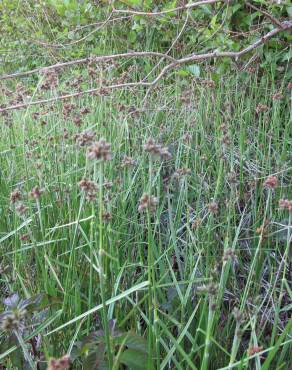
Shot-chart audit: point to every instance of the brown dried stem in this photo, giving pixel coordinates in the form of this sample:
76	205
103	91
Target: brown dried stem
167	11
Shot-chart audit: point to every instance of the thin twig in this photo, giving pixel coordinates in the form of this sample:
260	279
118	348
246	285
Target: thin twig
153	14
175	63
97	24
265	13
88	60
170	48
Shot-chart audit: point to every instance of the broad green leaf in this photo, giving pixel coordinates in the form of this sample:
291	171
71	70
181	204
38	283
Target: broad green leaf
132	341
194	69
135	360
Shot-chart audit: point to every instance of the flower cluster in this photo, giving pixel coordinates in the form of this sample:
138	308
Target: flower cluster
13	320
85	138
36	192
100	151
271	182
157	150
16	201
51	80
62	363
128	162
213	207
89	188
285	204
147	203
15	196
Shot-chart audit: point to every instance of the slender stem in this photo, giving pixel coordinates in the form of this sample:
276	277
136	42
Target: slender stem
25	351
235	345
208	335
150	276
101	273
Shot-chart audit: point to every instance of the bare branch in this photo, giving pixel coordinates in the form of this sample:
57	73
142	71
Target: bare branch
88	60
175	63
286	25
265	13
153	14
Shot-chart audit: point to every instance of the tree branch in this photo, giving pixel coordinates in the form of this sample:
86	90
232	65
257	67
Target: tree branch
265	13
286	25
153	14
88	60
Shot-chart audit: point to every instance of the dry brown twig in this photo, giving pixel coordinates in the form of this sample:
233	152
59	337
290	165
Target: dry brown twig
88	60
167	11
265	13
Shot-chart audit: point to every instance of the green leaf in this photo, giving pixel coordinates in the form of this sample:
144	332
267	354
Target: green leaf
182	72
132	341
133	2
194	69
135	360
95	360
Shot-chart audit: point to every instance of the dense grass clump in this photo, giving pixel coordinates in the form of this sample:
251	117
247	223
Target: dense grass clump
149	237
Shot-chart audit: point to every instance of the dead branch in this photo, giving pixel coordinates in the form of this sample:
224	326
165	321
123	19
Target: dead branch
265	13
153	14
88	60
286	25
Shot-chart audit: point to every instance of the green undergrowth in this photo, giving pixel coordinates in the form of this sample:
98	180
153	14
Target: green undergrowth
198	279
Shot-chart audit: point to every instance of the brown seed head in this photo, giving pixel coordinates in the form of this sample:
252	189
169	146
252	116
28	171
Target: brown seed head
277	96
271	182
127	162
107	216
62	363
85	138
213	207
21	209
147	202
196	223
253	350
77	120
84	110
211	289
100	151
36	192
261	108
285	204
89	188
155	149
15	196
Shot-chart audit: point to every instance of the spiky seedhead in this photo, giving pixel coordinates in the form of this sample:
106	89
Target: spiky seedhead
127	162
36	192
147	203
156	150
62	363
271	182
89	188
85	138
15	196
100	151
285	204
